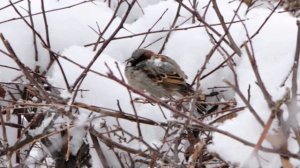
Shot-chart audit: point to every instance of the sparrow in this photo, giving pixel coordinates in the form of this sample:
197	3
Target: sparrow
158	75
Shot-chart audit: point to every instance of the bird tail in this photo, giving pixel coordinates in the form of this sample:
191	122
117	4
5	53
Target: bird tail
187	91
201	108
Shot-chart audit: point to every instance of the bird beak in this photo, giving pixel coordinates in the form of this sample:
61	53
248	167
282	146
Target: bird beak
128	60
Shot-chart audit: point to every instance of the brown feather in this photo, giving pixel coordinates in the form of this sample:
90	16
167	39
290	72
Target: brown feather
171	80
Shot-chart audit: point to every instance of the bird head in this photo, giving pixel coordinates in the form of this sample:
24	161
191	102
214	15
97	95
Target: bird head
139	55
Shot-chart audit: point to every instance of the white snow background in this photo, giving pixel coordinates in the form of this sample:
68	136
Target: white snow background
70	30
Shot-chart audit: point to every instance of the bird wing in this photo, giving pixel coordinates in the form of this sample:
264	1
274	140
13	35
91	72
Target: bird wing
172	78
171	70
166	73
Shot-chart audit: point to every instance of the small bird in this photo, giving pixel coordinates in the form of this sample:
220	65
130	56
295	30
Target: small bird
158	75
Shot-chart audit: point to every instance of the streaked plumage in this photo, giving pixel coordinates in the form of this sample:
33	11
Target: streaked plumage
157	74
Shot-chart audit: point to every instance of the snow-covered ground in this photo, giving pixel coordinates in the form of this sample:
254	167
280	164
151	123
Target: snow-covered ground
71	29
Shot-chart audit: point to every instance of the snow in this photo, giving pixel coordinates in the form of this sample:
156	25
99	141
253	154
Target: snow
70	30
270	46
137	10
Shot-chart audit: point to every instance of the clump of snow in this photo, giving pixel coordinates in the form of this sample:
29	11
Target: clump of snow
77	32
156	17
94	86
274	55
190	49
97	90
39	154
103	92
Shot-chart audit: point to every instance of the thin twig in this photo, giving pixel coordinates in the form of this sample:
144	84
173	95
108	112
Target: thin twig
38	13
33	33
107	26
171	27
252	110
221	18
159	31
81	77
48	44
132	105
203	125
13	55
99	151
150	29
